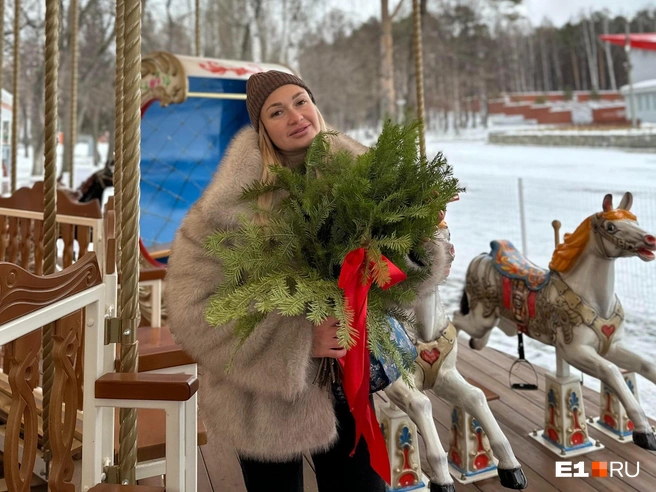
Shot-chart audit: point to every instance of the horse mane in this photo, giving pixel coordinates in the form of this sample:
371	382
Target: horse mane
566	253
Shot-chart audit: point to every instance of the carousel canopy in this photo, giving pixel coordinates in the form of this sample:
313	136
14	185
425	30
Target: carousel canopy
645	41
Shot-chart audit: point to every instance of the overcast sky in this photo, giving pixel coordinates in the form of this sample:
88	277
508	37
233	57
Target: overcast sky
558	11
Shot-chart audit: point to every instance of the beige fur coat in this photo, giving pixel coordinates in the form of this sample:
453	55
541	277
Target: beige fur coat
267	407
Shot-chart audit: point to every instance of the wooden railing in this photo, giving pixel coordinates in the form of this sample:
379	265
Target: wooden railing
28	302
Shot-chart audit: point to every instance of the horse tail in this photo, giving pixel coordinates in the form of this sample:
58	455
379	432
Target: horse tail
464	303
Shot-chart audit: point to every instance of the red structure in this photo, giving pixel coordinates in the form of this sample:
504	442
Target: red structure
645	41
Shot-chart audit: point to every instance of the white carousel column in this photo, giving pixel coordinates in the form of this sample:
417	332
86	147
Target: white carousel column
401	438
565	430
470	455
612	419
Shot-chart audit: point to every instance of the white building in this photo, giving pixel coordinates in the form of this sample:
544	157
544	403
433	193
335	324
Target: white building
644	94
643	62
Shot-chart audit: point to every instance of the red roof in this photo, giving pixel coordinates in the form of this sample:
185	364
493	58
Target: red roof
645	41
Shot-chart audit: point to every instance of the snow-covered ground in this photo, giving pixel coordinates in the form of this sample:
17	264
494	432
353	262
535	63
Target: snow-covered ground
83	166
567	184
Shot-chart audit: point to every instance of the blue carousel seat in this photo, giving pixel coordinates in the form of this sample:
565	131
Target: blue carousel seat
511	263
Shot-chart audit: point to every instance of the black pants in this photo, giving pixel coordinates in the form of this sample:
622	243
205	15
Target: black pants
335	470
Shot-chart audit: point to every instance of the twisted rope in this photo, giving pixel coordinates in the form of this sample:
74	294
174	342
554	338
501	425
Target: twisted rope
75	18
419	75
2	50
198	53
118	128
50	201
14	118
130	226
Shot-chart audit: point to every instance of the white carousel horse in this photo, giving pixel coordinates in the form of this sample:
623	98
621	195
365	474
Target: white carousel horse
437	339
572	306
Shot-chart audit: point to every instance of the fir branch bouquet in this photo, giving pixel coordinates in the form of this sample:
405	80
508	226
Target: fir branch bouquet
387	201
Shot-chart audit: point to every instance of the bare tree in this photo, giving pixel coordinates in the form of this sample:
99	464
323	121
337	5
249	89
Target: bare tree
388	92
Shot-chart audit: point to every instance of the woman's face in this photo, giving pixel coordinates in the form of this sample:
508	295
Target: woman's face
290	118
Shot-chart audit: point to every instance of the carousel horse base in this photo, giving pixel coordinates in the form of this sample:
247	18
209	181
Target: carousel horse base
606	430
613	420
565	453
465	478
566	430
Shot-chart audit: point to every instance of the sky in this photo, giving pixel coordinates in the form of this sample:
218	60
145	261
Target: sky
557	11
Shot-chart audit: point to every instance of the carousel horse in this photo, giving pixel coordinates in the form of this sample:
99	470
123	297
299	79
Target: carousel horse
572	306
435	368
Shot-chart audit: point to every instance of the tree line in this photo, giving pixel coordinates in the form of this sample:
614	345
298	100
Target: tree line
360	72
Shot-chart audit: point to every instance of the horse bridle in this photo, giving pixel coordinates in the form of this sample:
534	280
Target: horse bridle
601	233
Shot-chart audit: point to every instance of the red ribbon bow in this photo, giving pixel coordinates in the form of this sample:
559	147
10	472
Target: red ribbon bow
356	362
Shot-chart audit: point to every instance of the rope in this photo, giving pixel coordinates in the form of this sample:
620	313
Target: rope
2	49
198	53
75	17
50	201
118	129
14	118
419	75
130	226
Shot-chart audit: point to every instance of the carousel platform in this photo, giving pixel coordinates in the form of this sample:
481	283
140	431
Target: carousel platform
518	413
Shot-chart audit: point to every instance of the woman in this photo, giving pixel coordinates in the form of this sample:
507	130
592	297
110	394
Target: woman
267	407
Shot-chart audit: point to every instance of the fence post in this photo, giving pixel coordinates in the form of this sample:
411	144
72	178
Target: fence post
522	215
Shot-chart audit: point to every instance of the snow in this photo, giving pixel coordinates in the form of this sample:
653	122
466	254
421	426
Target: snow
567	184
644	86
83	166
645	129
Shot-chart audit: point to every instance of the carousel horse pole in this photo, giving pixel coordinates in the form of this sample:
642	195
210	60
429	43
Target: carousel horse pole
444	379
572	307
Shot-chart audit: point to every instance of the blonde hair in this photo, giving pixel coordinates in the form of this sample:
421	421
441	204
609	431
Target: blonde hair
571	248
271	157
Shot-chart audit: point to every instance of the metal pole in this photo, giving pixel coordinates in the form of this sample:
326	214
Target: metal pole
562	367
522	215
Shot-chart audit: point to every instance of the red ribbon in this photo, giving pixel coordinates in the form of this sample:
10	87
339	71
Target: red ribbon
356	362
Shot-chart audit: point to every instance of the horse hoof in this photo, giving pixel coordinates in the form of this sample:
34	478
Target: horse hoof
449	487
513	478
471	344
645	440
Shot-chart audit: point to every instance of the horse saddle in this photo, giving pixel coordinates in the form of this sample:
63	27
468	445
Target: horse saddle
512	264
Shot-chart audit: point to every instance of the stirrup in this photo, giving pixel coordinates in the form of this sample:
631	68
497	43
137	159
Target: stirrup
521	359
523	386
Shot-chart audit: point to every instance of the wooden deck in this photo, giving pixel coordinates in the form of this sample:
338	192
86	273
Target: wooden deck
518	413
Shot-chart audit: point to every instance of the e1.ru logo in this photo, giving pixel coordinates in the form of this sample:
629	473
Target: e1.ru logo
600	469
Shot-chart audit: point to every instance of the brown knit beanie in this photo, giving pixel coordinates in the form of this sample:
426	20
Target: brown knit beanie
260	85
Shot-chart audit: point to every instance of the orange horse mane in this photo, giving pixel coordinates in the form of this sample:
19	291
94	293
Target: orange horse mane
566	253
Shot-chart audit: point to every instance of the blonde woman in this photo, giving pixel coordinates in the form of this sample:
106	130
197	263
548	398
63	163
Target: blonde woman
267	407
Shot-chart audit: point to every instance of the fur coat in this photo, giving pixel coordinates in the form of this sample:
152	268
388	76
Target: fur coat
267	407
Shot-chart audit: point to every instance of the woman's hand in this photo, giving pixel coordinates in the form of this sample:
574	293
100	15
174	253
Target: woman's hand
324	340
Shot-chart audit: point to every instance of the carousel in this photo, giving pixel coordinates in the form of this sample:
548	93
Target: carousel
95	395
